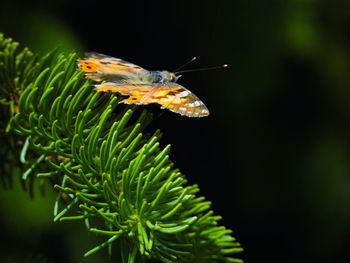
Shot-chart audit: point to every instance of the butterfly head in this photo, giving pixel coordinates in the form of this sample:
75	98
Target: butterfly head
173	77
165	76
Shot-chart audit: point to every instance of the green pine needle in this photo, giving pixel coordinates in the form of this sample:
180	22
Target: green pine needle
109	173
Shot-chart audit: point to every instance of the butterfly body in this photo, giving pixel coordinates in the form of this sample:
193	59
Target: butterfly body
141	86
163	76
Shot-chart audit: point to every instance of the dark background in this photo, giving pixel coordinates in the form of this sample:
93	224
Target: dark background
273	156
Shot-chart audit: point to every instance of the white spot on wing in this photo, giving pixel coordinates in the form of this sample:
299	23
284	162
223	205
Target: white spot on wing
195	104
184	93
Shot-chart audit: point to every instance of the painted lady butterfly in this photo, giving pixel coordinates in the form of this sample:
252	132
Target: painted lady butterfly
140	85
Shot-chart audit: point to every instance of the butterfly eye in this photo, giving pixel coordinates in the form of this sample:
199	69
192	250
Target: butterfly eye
172	77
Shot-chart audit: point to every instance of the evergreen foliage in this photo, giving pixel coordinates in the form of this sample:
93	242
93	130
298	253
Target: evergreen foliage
108	172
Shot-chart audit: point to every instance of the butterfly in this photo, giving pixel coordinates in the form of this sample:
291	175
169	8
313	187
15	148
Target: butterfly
141	86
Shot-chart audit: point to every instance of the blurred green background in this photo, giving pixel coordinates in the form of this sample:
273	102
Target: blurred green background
273	156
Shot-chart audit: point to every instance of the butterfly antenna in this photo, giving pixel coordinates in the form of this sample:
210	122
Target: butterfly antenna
184	65
202	69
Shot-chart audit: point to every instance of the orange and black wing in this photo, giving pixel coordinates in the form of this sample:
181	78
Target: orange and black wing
134	92
100	67
171	96
178	99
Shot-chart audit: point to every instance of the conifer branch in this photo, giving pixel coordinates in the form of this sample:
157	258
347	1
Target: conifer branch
108	172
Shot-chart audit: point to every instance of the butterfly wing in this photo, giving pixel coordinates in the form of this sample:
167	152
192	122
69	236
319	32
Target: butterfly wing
170	96
176	98
100	67
135	92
